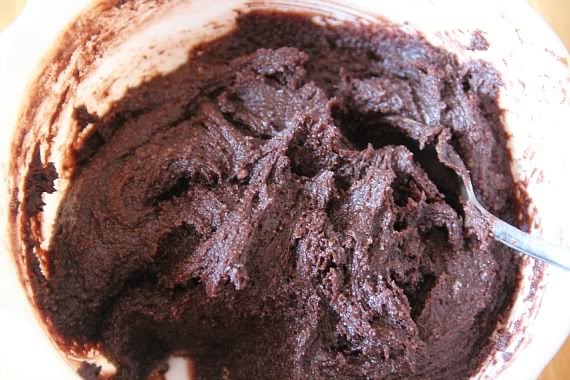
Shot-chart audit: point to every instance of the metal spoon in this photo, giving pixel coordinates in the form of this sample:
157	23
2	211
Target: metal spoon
515	238
449	174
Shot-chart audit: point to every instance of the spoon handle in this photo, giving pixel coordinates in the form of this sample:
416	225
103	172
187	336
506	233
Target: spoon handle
517	239
527	244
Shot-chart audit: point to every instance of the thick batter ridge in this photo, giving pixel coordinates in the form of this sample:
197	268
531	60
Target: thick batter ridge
257	212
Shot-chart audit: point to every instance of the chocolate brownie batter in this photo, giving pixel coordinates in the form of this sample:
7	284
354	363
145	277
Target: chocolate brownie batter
260	211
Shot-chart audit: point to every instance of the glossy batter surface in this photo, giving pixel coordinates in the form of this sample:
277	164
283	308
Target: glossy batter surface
256	211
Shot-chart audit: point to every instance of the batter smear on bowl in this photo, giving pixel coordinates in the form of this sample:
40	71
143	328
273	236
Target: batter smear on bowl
256	211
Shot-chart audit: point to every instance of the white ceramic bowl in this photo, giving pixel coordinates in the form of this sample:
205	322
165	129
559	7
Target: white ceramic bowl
109	59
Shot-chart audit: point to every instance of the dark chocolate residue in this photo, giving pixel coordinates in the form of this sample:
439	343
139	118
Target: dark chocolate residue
89	371
40	179
478	41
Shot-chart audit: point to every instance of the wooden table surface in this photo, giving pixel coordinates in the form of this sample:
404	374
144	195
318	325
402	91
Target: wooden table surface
556	12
